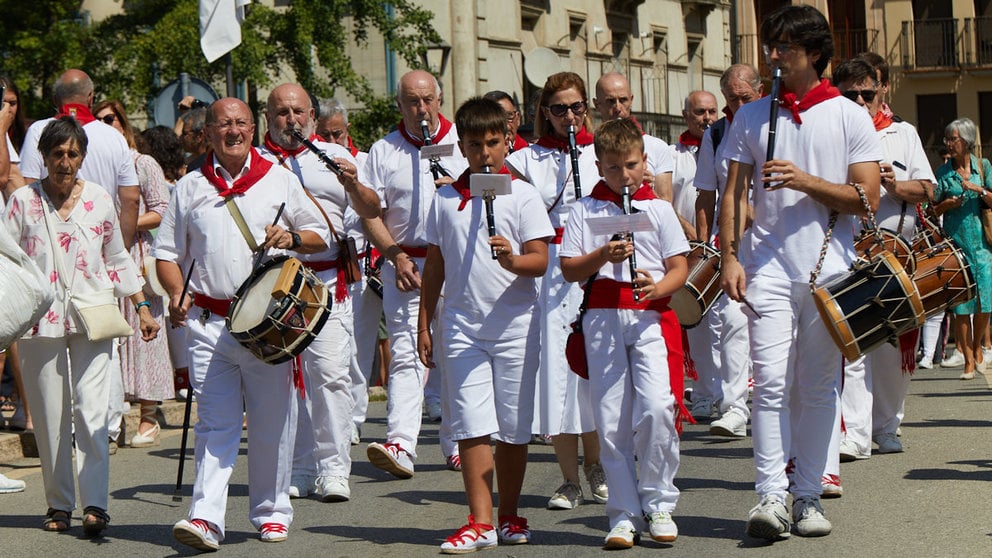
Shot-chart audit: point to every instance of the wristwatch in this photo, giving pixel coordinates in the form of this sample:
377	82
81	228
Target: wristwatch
297	241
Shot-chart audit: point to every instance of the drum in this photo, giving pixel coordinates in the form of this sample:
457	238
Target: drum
868	247
279	310
926	237
943	277
874	303
702	288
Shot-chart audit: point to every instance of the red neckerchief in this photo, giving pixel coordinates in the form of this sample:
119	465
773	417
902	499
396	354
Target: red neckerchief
518	144
281	152
441	132
462	185
729	114
257	167
881	121
689	140
602	192
79	112
818	94
582	137
351	148
638	124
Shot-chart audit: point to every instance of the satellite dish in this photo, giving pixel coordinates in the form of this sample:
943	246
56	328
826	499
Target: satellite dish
540	64
165	106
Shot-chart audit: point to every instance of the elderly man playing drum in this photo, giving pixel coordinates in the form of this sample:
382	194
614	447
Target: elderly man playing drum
321	455
200	230
875	385
820	175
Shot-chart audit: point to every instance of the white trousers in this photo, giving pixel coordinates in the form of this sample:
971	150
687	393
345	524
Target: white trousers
118	405
856	403
701	340
66	383
730	350
367	312
797	370
226	378
324	417
931	335
634	410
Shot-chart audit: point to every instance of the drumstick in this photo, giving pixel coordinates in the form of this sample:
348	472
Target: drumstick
488	198
261	251
632	260
189	275
773	117
748	304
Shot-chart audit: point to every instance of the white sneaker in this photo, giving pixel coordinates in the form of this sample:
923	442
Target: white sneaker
356	434
273	532
926	363
661	527
849	451
732	424
597	483
391	458
809	518
9	485
831	486
471	537
300	486
567	497
888	443
333	489
197	533
956	359
769	519
702	409
622	536
433	409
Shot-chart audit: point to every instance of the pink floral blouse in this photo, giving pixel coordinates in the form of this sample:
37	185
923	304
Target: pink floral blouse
89	241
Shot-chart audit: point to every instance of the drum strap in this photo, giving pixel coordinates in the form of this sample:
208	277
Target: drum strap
240	220
830	229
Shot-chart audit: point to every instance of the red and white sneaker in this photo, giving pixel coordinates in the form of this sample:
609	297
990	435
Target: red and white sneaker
471	537
391	458
831	486
197	533
454	462
273	532
513	529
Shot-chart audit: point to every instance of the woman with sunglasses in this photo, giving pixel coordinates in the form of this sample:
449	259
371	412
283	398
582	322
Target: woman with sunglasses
562	408
146	367
963	185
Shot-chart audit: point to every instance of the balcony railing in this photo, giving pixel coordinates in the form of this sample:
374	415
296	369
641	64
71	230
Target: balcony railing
978	41
932	43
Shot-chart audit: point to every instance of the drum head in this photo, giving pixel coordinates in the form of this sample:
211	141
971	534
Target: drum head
255	302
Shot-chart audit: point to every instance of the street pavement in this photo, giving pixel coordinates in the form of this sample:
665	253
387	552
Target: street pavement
929	501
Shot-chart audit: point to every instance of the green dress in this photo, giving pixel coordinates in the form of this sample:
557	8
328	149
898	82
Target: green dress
964	226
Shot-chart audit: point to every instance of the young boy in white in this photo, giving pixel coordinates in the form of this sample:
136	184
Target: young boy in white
634	404
486	327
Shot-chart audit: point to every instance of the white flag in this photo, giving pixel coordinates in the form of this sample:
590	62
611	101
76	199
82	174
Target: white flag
220	26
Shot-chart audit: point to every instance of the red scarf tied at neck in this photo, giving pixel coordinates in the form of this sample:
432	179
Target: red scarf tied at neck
79	112
281	152
818	94
582	137
462	185
445	127
351	148
881	121
257	168
689	140
603	192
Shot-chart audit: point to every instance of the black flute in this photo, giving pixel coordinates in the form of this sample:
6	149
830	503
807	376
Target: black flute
573	152
488	198
436	169
632	260
334	167
773	116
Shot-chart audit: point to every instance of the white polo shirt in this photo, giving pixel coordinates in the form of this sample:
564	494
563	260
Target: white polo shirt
901	144
550	171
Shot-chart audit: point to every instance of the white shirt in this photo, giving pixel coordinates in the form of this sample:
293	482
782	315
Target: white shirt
550	170
12	153
405	184
789	226
901	144
480	297
651	248
323	184
659	155
108	159
683	181
199	226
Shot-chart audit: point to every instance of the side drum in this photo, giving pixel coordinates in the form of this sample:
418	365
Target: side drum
867	247
874	303
279	310
943	277
702	288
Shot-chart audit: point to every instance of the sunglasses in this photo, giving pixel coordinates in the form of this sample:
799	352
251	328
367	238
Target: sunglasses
108	118
867	94
578	109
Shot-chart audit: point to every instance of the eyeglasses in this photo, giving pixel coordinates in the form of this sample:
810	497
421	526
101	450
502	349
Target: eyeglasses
949	141
781	46
510	115
108	118
228	124
867	94
559	110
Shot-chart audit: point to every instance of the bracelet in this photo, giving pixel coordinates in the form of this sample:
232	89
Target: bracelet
144	303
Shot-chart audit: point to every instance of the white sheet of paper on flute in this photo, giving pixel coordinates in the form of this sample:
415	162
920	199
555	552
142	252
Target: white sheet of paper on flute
480	184
613	224
443	150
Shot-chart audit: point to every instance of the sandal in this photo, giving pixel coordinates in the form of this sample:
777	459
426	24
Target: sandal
95	520
56	521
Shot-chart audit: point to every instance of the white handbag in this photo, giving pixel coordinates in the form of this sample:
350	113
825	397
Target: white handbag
26	293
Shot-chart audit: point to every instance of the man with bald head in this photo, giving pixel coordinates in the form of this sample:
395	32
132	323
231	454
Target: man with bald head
321	460
614	100
726	320
405	182
199	230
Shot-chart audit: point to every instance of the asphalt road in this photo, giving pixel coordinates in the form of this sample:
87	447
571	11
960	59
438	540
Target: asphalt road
932	500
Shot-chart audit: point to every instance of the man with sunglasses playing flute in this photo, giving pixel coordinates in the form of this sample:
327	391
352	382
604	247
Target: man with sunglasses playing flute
827	155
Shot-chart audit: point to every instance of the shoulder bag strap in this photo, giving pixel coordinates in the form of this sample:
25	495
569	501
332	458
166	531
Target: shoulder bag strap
240	220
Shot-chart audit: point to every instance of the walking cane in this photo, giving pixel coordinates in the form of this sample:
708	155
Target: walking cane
177	495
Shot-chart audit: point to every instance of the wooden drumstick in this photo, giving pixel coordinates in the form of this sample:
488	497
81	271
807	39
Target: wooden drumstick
261	251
